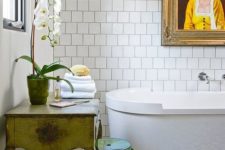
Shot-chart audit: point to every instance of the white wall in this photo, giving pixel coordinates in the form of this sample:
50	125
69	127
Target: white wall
120	41
13	77
13	88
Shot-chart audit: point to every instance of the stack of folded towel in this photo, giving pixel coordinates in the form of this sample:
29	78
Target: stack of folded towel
84	86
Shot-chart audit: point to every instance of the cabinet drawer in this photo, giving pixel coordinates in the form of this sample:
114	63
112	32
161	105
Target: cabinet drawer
57	132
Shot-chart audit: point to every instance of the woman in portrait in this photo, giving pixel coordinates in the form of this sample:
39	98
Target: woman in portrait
204	15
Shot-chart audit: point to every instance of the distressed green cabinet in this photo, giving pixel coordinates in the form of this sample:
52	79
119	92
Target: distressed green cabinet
49	128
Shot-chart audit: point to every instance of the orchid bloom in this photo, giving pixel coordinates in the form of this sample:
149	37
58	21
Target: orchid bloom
56	31
57	6
41	22
43	19
42	8
57	25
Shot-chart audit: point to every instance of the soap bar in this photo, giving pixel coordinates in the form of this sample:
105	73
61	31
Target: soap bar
80	70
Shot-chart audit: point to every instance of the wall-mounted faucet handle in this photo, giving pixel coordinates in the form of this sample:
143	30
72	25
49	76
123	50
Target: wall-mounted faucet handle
223	76
203	77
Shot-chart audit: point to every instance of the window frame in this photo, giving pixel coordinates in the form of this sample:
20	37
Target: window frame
19	13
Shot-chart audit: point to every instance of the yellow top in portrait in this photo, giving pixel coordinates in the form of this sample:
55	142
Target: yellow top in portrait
204	15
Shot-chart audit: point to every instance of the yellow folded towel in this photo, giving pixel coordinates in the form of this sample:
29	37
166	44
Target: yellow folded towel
80	70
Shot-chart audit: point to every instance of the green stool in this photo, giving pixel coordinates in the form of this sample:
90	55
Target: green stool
112	144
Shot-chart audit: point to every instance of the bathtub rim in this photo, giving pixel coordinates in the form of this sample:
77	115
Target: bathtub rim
156	108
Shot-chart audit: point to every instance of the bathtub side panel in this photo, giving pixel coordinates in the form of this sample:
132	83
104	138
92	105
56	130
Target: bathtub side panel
169	132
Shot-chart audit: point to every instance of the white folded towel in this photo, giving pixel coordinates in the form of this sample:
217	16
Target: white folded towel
77	94
70	76
80	81
89	87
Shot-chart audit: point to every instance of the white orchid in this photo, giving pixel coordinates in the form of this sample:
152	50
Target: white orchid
42	8
43	19
57	6
41	22
57	19
56	30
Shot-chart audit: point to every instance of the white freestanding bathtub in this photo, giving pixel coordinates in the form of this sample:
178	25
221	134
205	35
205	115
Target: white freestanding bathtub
167	120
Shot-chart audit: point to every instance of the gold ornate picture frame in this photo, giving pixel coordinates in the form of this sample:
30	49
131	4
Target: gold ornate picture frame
173	18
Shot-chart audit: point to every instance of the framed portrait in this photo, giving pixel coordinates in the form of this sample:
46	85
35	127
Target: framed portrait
193	22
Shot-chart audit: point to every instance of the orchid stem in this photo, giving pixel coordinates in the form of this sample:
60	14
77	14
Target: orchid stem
33	40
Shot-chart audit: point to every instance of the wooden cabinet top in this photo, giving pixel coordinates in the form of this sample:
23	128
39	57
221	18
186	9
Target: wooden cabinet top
25	108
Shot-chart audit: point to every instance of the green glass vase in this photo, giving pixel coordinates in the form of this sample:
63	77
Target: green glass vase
38	90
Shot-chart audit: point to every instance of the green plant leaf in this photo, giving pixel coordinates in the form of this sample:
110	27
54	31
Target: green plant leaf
53	67
44	68
29	59
55	78
47	66
56	62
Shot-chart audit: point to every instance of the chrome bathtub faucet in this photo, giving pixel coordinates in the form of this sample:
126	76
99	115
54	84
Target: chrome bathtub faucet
203	77
223	76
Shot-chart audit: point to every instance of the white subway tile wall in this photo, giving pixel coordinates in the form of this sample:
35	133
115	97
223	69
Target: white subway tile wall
119	40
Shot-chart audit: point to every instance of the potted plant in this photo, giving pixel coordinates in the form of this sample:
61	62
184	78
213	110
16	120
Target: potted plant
38	81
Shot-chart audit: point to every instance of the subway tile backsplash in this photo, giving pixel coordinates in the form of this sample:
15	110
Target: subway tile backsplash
119	40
